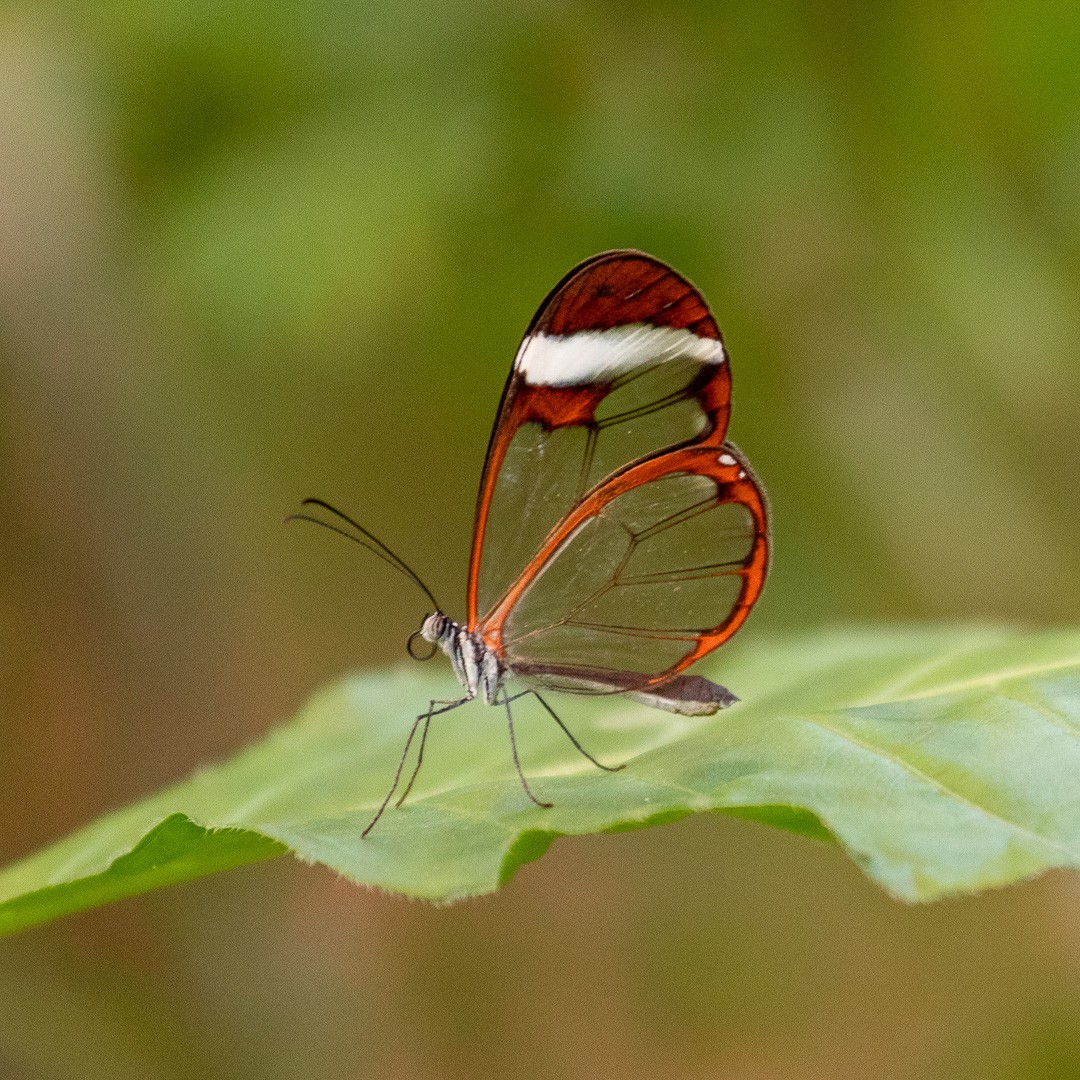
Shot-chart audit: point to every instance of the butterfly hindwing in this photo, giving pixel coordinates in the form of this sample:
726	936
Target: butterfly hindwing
651	571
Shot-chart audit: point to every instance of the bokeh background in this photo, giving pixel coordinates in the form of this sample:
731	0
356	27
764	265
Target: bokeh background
254	250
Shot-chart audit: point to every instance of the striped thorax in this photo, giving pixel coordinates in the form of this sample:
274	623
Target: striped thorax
476	666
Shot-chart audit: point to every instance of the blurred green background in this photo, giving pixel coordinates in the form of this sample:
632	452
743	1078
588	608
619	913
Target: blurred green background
256	251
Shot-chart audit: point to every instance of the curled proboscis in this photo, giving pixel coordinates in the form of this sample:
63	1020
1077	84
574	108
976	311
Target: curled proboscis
419	647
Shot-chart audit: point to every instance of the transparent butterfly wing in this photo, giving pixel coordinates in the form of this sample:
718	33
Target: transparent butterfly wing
616	531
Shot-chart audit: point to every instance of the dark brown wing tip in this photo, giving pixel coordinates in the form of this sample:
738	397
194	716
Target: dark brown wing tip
621	288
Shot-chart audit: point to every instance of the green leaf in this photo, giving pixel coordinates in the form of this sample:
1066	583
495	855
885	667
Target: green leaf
943	760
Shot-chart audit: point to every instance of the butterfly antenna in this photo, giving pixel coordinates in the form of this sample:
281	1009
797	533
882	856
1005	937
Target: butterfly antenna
366	540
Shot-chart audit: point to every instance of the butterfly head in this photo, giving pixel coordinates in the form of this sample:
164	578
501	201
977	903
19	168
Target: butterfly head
438	629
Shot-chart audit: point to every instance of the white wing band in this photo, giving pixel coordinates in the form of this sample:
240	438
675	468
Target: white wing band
598	356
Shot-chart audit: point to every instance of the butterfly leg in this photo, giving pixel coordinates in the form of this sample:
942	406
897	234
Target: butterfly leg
517	761
569	734
425	719
425	727
432	711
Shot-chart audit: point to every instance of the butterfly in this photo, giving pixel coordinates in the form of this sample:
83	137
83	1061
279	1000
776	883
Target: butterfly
618	536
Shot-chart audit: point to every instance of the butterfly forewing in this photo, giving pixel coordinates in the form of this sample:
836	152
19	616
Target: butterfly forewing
616	531
622	360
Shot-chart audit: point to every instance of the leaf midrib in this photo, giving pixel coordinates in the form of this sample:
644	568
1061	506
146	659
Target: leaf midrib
990	682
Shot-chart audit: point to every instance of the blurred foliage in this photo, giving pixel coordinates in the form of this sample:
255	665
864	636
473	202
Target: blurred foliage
252	251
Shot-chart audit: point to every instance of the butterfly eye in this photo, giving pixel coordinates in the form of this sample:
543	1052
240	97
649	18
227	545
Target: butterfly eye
419	648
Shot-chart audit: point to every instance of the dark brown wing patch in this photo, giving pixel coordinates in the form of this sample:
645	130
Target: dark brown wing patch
619	288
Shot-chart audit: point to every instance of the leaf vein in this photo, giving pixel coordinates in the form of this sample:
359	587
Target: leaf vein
937	785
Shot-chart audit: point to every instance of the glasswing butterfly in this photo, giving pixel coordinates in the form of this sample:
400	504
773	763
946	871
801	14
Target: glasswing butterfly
618	537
